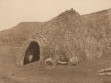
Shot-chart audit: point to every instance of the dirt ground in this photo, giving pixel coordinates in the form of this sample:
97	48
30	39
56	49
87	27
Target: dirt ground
85	72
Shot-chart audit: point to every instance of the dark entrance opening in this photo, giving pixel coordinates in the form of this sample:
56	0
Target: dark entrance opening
32	53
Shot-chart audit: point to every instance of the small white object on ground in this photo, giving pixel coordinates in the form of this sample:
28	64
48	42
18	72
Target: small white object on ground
73	60
105	74
49	61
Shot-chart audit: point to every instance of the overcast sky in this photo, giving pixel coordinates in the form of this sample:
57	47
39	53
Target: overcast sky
13	12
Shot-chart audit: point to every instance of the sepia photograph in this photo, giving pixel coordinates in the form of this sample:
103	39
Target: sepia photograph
55	41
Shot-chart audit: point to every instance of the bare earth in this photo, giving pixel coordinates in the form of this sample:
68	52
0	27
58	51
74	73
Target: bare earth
85	72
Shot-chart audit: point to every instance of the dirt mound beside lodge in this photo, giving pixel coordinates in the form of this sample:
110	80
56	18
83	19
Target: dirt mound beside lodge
100	23
69	34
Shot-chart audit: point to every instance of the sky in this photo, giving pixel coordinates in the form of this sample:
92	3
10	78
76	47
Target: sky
13	12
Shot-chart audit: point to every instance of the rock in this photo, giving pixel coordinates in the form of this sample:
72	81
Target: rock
50	61
62	62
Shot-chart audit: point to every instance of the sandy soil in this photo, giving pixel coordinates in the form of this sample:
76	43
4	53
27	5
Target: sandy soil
85	72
